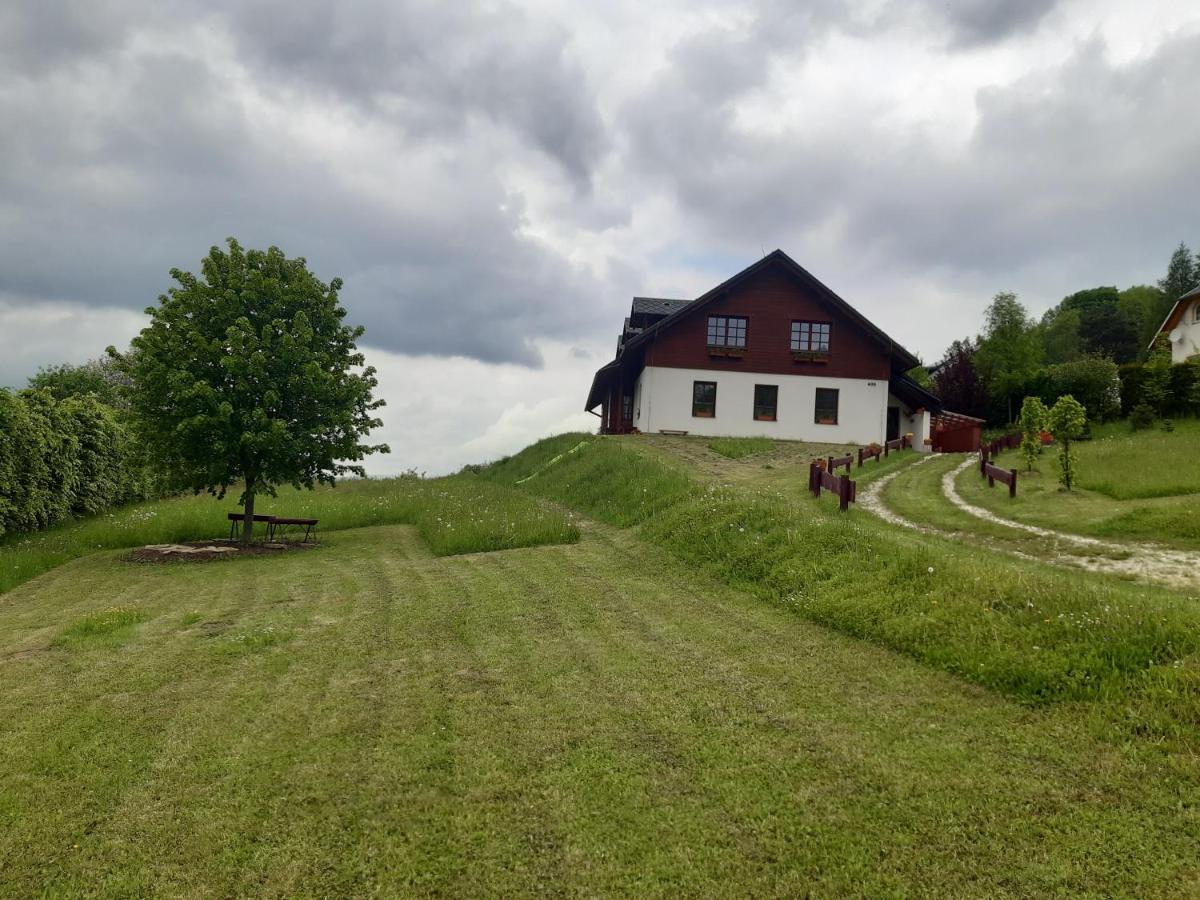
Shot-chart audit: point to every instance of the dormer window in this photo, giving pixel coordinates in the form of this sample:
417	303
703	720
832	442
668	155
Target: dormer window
727	332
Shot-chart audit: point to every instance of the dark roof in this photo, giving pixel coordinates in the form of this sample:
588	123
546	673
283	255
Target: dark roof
906	359
901	357
1194	292
657	306
912	393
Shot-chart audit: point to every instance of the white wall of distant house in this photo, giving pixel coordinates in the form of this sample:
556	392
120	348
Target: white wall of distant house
663	402
1185	337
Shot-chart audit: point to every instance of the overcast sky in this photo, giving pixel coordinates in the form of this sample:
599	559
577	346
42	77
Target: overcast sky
495	180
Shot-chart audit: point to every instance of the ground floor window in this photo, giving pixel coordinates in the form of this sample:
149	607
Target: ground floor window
766	402
704	399
827	406
627	408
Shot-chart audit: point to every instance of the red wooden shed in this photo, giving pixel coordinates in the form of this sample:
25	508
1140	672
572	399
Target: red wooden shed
955	433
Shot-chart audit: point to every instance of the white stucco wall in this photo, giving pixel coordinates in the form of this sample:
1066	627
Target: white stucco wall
1185	337
914	422
663	402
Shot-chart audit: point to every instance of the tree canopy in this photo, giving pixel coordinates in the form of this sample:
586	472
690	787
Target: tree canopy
1009	351
1181	277
248	375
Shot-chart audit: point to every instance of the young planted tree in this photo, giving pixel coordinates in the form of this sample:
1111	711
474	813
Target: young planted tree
1033	423
1066	420
248	375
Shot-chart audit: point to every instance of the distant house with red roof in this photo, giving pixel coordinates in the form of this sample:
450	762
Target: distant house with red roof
1182	327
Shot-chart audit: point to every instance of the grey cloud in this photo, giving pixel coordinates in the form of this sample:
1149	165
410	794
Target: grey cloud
143	160
974	22
1081	171
432	67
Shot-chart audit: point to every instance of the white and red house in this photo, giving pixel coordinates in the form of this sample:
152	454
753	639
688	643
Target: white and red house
1182	328
771	352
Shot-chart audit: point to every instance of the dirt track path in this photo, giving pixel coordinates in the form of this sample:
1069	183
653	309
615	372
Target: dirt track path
1175	568
1178	568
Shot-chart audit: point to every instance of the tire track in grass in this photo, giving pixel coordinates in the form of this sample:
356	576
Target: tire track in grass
1175	568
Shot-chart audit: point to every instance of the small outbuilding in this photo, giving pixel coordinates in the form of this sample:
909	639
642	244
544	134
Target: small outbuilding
953	432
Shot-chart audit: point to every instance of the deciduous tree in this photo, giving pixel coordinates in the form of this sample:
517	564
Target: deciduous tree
1009	350
958	384
248	374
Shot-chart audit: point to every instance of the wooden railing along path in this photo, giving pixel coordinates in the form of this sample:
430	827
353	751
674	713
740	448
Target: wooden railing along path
819	479
995	473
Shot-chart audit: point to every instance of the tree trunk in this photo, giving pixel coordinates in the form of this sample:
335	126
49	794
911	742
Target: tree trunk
248	515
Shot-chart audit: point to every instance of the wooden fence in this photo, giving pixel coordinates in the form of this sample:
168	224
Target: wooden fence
875	453
995	473
900	443
839	462
841	485
1008	442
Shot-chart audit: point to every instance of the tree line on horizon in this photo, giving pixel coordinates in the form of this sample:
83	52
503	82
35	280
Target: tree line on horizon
1094	344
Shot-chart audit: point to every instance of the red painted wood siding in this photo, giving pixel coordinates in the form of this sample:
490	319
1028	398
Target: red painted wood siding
772	301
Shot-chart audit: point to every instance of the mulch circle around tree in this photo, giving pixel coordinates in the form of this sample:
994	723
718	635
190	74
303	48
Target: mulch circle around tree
205	551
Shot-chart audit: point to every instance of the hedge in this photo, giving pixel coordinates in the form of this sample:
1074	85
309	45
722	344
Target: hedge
63	458
1183	398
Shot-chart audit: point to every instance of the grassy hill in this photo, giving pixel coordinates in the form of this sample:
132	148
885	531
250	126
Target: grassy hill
673	672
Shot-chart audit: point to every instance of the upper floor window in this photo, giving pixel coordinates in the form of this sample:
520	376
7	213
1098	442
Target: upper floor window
810	337
1197	310
727	331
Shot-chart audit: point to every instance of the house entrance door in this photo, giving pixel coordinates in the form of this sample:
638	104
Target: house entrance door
893	423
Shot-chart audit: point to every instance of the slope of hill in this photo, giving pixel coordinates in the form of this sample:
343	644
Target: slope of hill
657	708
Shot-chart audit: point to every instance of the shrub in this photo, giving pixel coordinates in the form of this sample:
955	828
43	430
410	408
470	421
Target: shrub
1093	380
1141	417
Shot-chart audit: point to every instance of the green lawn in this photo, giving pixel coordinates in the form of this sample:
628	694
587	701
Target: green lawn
732	688
1125	464
588	719
1139	486
736	448
460	514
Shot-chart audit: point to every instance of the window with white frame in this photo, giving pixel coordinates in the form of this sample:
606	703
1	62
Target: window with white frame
727	331
810	337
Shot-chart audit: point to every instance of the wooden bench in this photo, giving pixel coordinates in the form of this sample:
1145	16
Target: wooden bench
236	519
275	525
281	523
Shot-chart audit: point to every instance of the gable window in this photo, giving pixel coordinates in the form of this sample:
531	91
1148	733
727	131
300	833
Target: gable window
704	399
727	331
810	337
827	406
766	402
